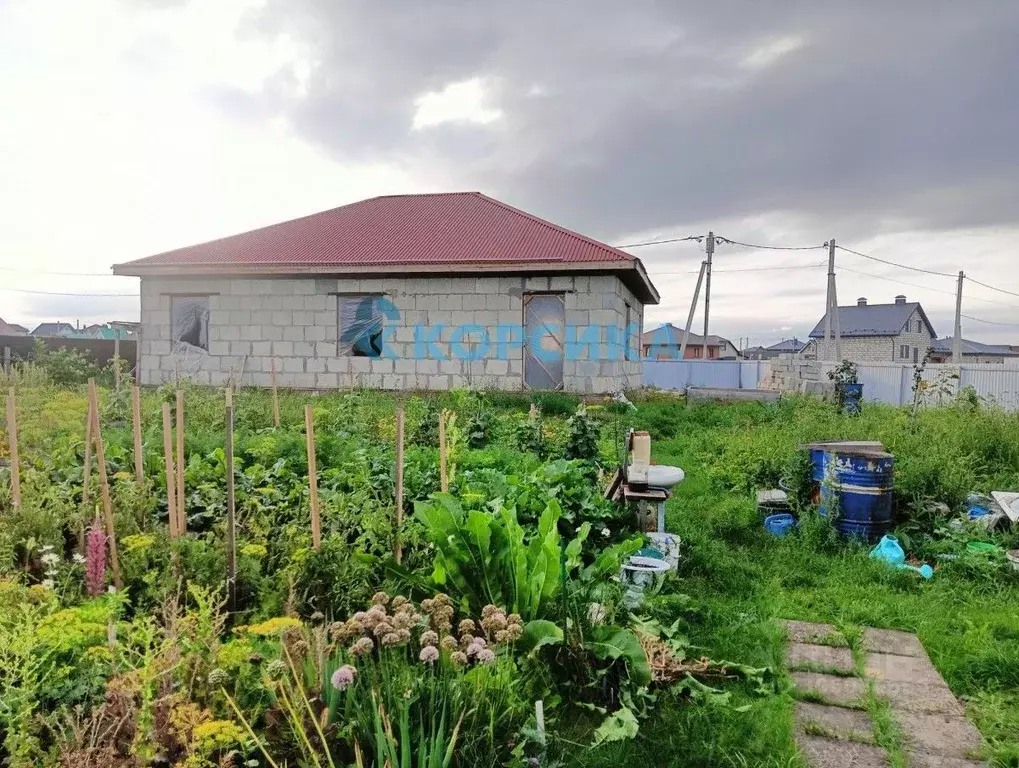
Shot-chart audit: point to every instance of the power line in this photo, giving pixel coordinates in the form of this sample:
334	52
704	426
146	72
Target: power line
928	288
893	280
744	269
698	238
993	288
990	322
720	239
60	293
61	274
893	263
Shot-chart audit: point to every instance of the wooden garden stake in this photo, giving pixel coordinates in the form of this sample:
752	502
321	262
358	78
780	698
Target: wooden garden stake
86	479
104	487
443	477
182	521
12	444
171	493
399	481
275	395
231	507
116	360
309	428
539	715
136	425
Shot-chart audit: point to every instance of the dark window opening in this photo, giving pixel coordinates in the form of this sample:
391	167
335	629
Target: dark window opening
360	324
189	321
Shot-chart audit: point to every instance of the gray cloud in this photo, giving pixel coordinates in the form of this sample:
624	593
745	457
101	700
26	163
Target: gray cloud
650	117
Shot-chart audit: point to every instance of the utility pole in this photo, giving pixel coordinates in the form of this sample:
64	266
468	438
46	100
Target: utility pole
836	323
828	301
709	248
693	308
957	340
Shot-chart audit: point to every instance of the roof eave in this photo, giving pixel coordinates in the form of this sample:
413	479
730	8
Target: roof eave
640	283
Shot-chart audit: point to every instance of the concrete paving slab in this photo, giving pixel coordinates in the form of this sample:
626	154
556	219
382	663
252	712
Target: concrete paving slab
810	632
819	657
939	735
829	753
902	669
835	689
893	641
834	722
921	760
919	698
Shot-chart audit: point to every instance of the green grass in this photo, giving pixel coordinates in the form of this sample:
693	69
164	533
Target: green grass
741	579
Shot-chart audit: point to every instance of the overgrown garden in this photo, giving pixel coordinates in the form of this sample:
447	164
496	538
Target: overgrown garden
464	610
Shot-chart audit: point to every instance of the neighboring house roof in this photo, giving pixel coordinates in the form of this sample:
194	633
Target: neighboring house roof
446	232
12	329
788	345
973	347
669	335
53	329
874	320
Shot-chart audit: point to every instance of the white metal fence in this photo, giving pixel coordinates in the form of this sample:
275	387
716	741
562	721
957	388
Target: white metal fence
893	382
722	374
890	383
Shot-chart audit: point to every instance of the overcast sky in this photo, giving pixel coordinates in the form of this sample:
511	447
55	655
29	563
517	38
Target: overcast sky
129	128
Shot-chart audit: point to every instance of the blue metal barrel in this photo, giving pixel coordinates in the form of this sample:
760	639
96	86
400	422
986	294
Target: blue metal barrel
861	483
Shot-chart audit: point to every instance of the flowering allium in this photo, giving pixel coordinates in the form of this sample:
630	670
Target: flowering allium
502	636
429	638
362	646
95	556
391	639
466	627
399	601
276	668
383	628
343	677
380	598
459	658
429	654
475	648
495	621
449	643
486	656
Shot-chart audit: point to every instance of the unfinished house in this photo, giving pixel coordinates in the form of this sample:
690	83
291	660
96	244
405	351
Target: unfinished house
426	292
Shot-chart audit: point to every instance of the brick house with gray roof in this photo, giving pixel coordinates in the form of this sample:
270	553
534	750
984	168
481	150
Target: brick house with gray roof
899	332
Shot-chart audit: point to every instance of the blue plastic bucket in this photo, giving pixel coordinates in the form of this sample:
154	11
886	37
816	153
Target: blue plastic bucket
779	525
862	485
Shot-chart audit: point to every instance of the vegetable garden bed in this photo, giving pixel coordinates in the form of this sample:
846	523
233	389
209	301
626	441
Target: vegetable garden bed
428	637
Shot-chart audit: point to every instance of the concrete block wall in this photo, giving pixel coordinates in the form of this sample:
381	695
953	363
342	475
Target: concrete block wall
791	373
255	323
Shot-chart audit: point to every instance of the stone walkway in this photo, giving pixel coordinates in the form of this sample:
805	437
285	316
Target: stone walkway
833	726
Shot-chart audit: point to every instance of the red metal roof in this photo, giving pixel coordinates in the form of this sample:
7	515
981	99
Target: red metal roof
450	229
